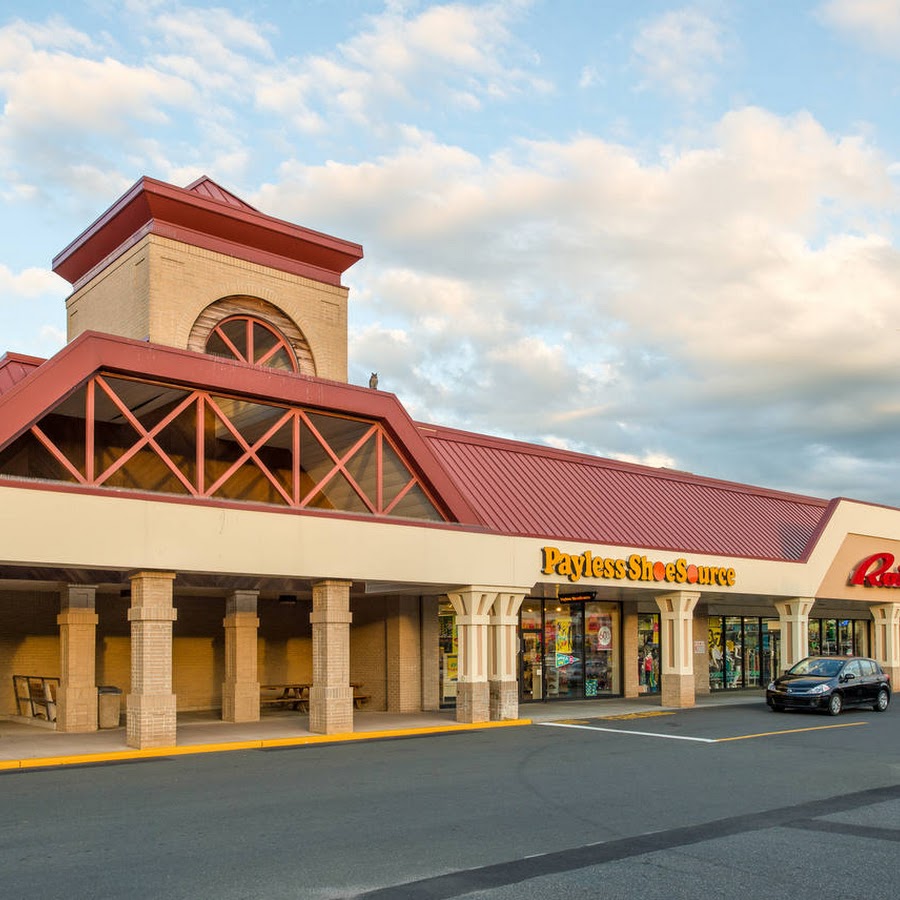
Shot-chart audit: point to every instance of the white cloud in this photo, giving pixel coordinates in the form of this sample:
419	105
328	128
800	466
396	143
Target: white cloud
32	282
676	52
737	291
59	107
456	53
874	23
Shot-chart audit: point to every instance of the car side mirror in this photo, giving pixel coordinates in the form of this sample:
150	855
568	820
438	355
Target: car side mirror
848	677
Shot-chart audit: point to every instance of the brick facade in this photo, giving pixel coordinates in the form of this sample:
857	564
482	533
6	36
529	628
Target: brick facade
157	289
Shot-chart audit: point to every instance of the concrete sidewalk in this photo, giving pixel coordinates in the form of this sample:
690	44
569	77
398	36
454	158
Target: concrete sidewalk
31	746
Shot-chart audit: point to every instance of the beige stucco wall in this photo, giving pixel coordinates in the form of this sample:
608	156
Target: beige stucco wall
36	527
182	537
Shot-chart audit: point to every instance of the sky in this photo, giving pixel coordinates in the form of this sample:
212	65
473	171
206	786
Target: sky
658	232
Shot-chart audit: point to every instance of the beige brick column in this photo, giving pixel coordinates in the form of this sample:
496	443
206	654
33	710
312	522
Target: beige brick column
403	660
887	639
472	606
76	708
150	707
240	690
630	678
676	643
794	617
331	697
503	676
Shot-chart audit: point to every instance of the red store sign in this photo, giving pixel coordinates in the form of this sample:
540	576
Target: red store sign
873	571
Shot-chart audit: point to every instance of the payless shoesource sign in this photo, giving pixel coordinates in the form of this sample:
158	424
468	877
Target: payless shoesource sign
635	567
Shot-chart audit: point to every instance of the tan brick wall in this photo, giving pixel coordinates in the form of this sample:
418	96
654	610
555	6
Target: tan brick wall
403	654
116	301
284	642
157	290
29	640
198	652
114	643
368	649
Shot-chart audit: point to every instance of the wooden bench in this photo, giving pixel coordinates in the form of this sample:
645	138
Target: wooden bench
36	696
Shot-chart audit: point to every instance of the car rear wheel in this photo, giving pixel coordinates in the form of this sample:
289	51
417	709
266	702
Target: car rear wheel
881	701
835	704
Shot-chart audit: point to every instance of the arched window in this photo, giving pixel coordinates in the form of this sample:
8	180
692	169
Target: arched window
251	340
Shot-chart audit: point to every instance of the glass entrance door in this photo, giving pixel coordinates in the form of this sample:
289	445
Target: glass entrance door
531	658
648	653
564	651
532	675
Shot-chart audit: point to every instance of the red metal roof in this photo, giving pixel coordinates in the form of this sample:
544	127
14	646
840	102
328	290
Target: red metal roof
206	187
204	215
14	367
503	486
527	490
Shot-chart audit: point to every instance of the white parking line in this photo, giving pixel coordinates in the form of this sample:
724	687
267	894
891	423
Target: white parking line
668	737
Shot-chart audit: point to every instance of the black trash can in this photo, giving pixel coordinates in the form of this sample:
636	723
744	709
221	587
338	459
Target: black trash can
109	706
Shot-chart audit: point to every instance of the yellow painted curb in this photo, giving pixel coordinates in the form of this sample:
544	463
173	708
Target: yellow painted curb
261	744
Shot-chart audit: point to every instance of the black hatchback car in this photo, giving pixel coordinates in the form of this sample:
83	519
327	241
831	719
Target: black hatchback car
830	683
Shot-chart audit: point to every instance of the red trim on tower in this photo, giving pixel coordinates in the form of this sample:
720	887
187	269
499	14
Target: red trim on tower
194	216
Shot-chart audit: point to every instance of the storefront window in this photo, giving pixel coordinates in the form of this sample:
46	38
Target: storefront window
845	637
744	651
815	637
838	637
532	660
770	657
601	652
734	649
752	657
571	649
716	646
648	653
564	668
449	652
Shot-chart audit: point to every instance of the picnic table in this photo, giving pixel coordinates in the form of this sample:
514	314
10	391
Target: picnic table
296	695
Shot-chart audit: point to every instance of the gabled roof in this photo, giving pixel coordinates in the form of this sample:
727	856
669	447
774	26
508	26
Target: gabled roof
206	187
527	490
14	367
204	215
28	401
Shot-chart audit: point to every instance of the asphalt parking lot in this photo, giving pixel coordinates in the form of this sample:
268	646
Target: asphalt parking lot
704	802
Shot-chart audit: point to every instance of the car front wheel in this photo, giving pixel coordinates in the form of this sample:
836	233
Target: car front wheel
835	704
881	701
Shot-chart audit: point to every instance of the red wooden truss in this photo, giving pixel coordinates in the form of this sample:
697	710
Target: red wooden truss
124	433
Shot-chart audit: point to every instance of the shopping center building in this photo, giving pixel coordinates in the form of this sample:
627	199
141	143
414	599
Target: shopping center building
195	505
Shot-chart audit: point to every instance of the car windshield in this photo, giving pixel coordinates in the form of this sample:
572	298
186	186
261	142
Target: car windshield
827	668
